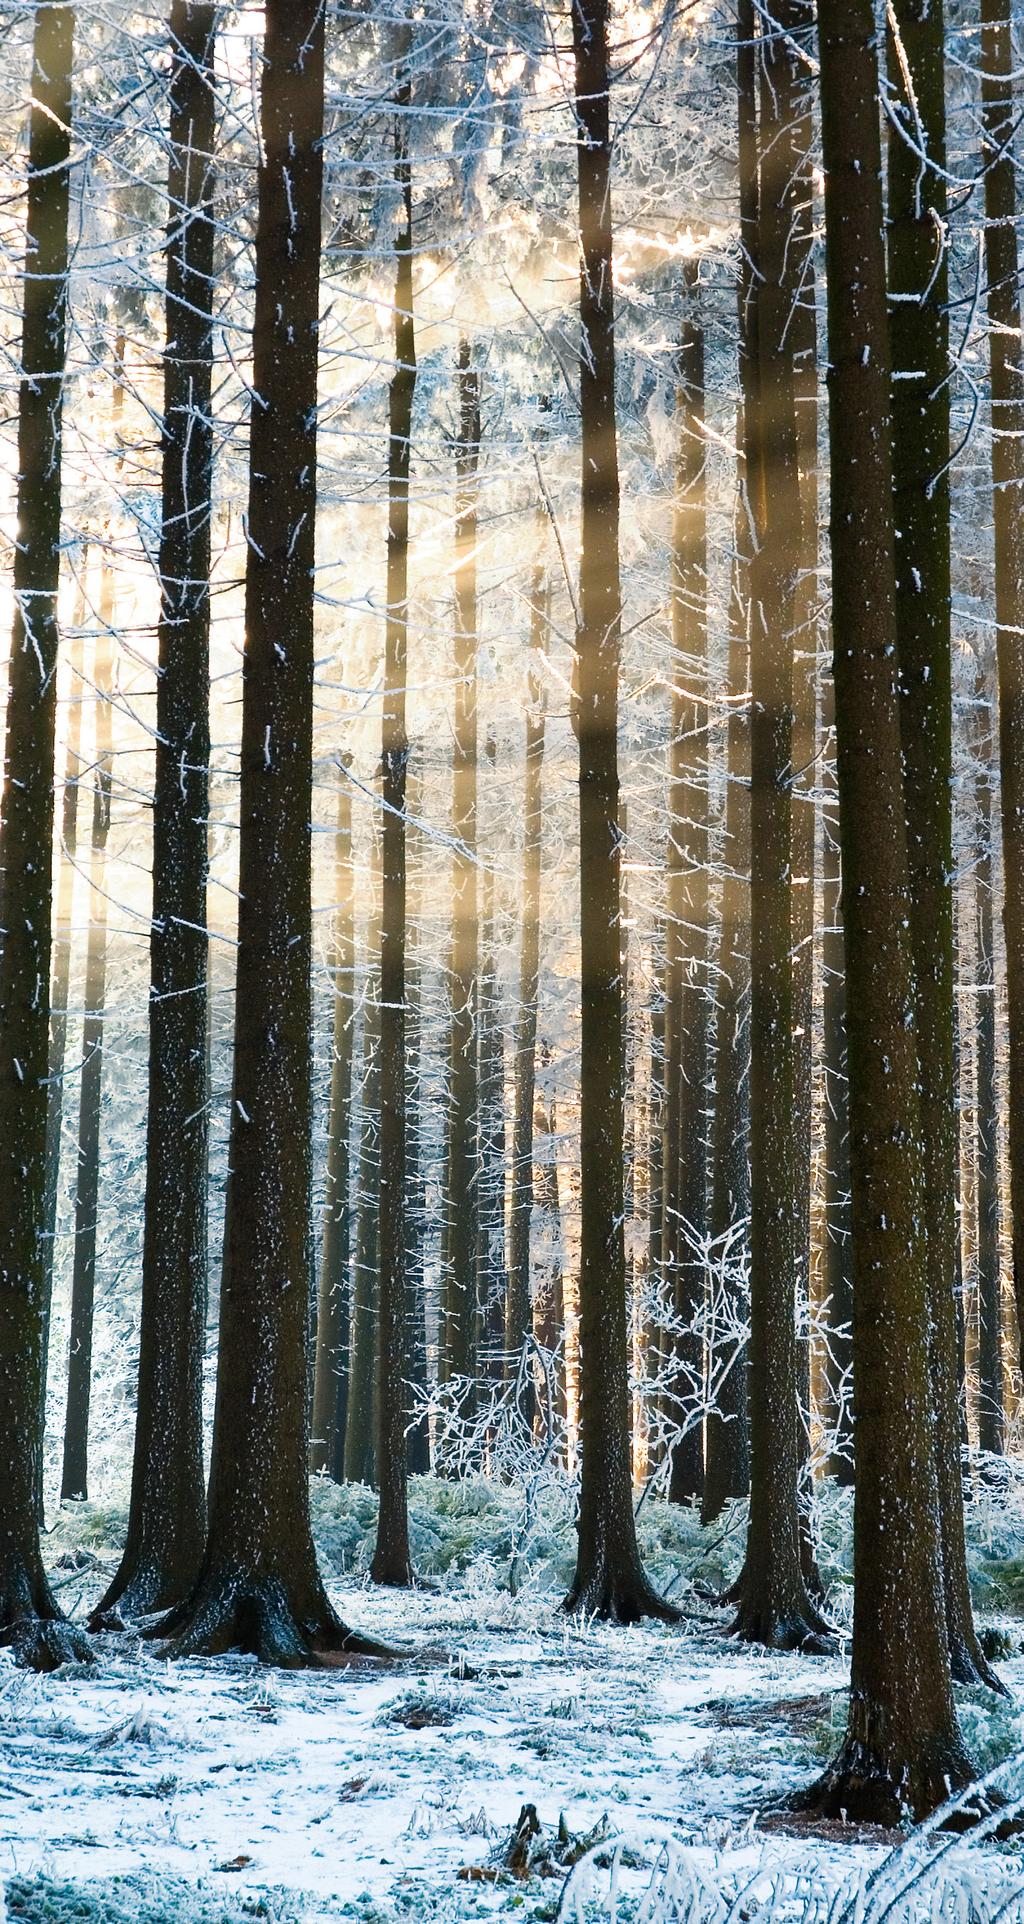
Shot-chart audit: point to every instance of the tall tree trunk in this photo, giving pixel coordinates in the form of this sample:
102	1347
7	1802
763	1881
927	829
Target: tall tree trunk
998	96
492	1266
991	1413
549	1315
903	1749
59	984
259	1588
29	1616
919	326
609	1579
686	985
519	1313
838	1251
75	1470
330	1378
359	1427
458	1333
391	1559
774	1607
167	1514
418	1448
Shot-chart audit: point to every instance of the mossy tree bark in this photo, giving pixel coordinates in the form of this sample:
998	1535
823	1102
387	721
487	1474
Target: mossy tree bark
259	1588
30	1619
903	1750
167	1513
919	326
609	1580
392	1563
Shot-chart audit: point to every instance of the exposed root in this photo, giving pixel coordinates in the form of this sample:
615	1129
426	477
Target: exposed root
859	1788
258	1618
44	1644
972	1667
802	1629
125	1602
619	1600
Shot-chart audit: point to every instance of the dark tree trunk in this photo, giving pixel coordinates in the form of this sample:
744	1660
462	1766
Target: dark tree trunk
418	1447
549	1313
609	1580
919	326
774	1607
838	1250
259	1588
167	1515
519	1311
359	1427
59	984
492	1267
75	1469
29	1617
998	94
330	1377
459	1324
991	1412
391	1560
686	985
903	1749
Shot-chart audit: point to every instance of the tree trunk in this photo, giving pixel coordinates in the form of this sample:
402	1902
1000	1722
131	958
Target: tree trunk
838	1252
998	95
686	986
391	1559
418	1444
991	1413
29	1617
167	1514
359	1427
774	1607
519	1311
75	1470
492	1267
903	1749
919	326
330	1378
609	1580
259	1589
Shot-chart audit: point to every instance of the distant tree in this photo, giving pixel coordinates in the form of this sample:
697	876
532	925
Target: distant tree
259	1588
609	1579
903	1750
360	1441
330	1376
392	1563
30	1619
167	1514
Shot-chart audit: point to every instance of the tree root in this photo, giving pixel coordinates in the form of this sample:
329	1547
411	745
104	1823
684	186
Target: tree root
859	1789
623	1600
44	1643
801	1629
258	1617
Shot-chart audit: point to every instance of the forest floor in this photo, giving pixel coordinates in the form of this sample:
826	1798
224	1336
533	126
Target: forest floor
147	1791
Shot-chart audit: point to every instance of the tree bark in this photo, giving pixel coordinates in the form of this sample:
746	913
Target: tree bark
903	1750
686	986
259	1588
167	1513
392	1563
609	1581
330	1376
359	1427
919	326
492	1266
838	1252
29	1617
991	1410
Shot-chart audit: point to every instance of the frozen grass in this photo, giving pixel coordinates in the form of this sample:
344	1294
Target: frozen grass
142	1791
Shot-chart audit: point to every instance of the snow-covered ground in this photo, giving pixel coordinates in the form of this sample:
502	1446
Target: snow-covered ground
219	1789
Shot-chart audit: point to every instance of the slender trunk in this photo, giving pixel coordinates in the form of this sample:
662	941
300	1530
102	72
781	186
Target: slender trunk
75	1470
991	1415
903	1748
609	1579
686	987
29	1616
259	1588
359	1427
392	1563
418	1449
919	327
492	1267
458	1335
549	1313
774	1607
998	95
330	1379
167	1514
838	1252
518	1313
